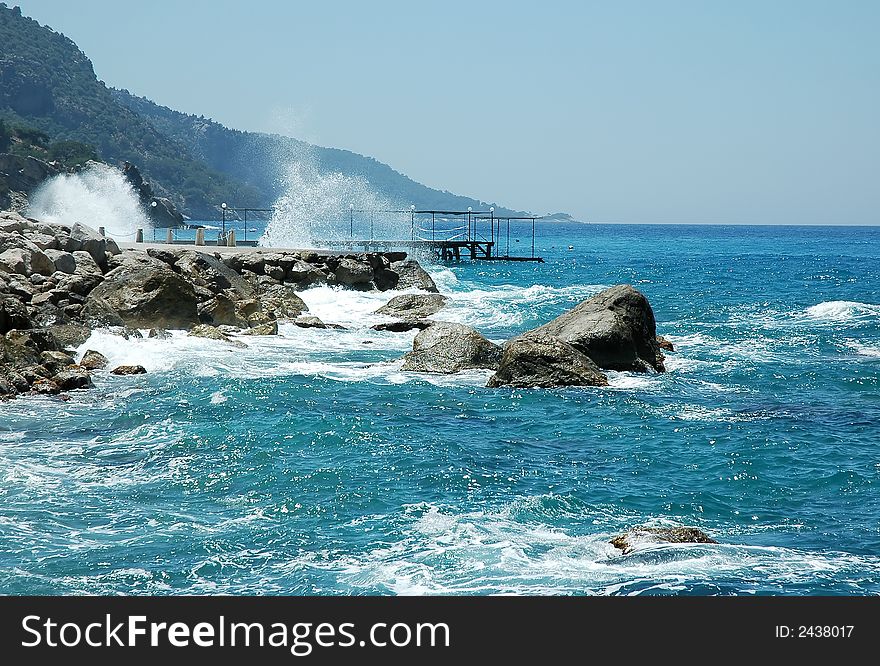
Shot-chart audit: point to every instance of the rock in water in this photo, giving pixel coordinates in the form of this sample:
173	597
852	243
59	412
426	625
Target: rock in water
74	377
145	296
124	370
543	361
402	326
615	328
413	306
447	348
664	344
212	333
627	542
93	360
413	276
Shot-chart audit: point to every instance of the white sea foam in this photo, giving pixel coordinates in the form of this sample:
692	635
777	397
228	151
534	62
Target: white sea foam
840	312
98	196
863	349
444	552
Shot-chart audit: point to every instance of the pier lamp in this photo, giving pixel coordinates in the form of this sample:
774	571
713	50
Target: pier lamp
470	210
412	222
223	230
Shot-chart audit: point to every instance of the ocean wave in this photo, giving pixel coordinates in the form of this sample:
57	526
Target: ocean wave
841	312
445	552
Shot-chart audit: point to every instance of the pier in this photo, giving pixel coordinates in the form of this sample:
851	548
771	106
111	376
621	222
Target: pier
450	235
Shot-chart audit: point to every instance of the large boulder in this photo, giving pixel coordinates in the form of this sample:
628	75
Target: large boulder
615	328
64	261
543	361
413	306
413	276
145	296
354	273
86	239
281	301
221	311
26	259
656	535
446	348
206	270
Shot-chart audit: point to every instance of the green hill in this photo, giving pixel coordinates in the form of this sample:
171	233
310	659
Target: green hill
47	83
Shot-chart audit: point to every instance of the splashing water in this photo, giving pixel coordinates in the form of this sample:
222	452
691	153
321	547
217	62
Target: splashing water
316	205
98	196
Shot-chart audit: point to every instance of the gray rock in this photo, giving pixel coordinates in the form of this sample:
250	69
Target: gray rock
446	348
269	328
124	370
55	361
353	273
309	322
303	273
64	261
615	328
413	276
221	311
413	306
93	360
88	240
24	261
543	361
209	271
282	301
639	535
13	314
73	377
145	297
213	333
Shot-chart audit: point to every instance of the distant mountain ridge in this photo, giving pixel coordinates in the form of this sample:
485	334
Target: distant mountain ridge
252	157
48	83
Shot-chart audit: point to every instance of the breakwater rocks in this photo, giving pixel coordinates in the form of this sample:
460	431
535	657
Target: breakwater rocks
58	283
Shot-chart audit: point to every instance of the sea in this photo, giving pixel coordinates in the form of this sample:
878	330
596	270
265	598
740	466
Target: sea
310	464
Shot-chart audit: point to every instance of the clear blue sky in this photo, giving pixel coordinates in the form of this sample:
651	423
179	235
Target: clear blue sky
761	112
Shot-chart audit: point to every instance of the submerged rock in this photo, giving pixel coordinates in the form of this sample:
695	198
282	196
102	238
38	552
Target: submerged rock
124	370
413	306
615	328
402	326
543	361
638	535
269	328
447	348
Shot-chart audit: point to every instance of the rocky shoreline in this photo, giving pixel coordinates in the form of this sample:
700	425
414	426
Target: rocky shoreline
59	283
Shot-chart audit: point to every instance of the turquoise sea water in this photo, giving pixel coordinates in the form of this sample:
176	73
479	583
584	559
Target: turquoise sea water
309	464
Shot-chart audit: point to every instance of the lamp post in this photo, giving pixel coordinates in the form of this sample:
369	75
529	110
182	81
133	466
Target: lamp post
492	223
153	205
470	210
223	229
412	223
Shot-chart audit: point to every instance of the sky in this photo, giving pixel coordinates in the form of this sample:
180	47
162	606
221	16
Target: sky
640	112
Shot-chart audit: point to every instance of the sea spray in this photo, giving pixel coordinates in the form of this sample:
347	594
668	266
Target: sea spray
98	196
318	205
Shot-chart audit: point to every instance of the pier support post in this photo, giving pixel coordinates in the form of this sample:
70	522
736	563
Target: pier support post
169	236
139	236
200	236
230	238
